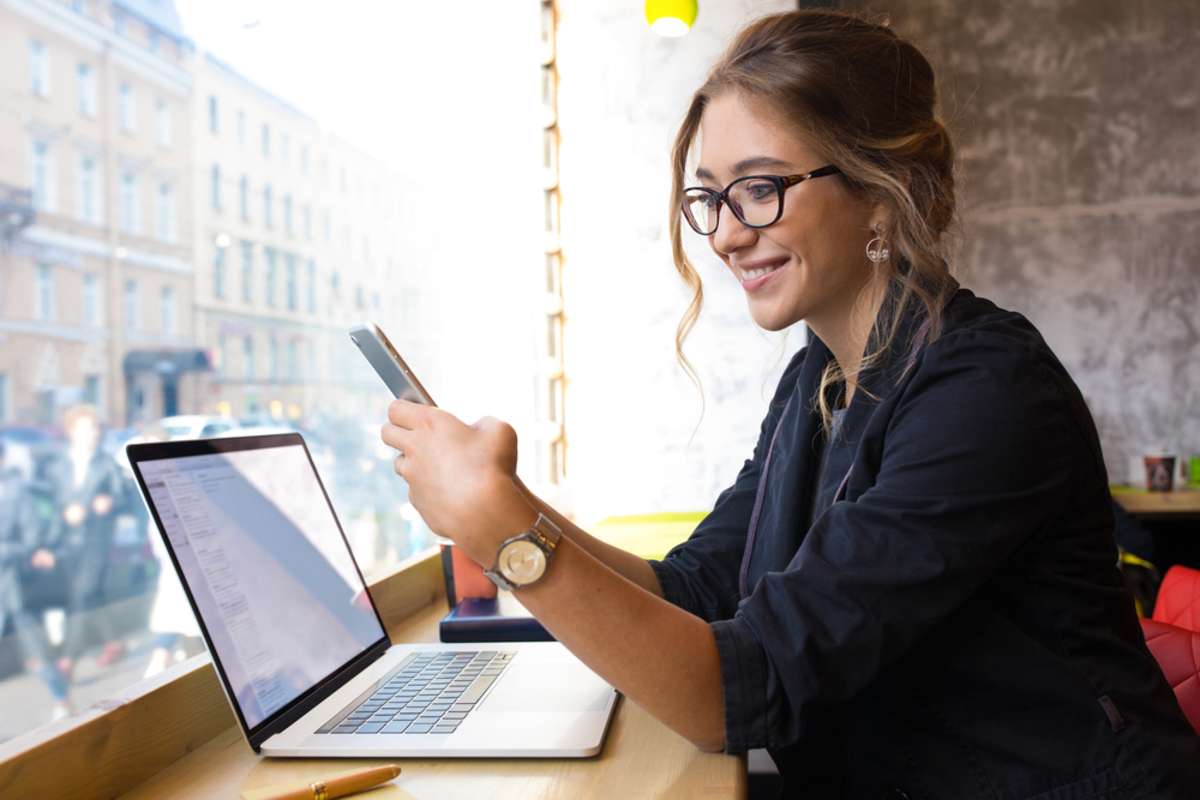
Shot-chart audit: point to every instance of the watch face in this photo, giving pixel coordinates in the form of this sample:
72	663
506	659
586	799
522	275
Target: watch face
522	562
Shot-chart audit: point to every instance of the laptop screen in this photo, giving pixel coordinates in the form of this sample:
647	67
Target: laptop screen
267	567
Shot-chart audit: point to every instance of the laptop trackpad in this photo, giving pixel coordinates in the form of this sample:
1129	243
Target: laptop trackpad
561	686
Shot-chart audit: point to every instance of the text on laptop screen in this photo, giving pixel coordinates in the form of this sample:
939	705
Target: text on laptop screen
271	574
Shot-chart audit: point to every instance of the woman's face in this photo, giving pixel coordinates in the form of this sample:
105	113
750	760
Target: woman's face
816	252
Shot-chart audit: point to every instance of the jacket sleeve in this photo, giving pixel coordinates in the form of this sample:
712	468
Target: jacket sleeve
977	455
701	574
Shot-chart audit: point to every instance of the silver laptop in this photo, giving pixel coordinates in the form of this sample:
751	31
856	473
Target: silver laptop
299	645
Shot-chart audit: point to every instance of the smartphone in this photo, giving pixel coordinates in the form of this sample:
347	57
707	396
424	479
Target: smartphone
375	347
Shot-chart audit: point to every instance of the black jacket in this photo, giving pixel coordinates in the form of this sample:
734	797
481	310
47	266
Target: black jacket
953	625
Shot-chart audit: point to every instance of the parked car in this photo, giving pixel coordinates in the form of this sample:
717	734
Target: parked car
196	426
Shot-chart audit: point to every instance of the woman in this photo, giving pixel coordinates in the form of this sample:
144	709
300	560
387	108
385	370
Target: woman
910	589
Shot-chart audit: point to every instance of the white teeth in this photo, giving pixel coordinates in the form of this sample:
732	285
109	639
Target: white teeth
749	275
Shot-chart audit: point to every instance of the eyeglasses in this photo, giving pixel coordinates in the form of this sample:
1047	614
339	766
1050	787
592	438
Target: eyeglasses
756	200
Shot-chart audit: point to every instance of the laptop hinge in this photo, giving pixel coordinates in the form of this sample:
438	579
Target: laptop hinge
306	702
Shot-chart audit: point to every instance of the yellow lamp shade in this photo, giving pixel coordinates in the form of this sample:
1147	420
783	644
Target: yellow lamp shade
670	18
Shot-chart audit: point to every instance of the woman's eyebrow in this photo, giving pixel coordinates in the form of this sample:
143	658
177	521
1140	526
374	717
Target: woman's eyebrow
745	165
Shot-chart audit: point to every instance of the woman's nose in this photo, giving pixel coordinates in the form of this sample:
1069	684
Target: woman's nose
731	235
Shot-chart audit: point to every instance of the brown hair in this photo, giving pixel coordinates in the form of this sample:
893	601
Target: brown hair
865	99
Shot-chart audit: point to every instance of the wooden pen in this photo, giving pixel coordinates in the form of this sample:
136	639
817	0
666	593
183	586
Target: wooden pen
347	783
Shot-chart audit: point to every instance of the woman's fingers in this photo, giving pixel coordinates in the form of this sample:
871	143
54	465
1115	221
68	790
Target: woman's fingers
395	436
407	414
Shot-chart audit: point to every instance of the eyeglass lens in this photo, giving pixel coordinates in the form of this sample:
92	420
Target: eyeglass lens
754	201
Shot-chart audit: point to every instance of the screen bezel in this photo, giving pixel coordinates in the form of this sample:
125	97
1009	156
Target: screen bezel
308	699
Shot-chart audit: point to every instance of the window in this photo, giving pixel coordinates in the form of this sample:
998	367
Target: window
287	213
327	226
247	272
165	216
129	203
215	186
306	215
241	128
291	290
162	118
5	403
360	297
152	40
273	366
244	198
268	202
43	177
168	310
91	390
85	88
214	114
312	286
127	108
248	357
218	272
266	140
89	190
222	356
293	360
44	299
39	69
269	257
91	300
133	306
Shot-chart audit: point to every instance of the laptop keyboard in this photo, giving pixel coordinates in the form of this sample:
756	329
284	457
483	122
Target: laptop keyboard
430	692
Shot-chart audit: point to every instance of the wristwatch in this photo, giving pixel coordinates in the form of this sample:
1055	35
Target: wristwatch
523	559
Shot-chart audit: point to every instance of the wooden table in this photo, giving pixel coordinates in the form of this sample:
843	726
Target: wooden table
641	758
1140	502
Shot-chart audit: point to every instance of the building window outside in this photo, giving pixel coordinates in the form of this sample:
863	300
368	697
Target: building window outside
89	190
43	177
312	286
269	256
91	300
91	390
165	218
85	87
244	197
162	117
39	69
133	306
287	214
44	298
214	114
218	272
247	272
223	356
273	358
268	202
266	140
248	357
5	403
326	226
293	360
215	181
241	128
168	311
129	203
127	108
290	282
306	216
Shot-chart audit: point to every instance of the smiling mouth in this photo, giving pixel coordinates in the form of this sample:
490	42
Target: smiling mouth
758	272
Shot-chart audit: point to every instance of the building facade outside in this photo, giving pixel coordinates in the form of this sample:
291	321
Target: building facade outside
95	267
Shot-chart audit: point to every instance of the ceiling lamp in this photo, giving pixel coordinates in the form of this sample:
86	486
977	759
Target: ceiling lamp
671	18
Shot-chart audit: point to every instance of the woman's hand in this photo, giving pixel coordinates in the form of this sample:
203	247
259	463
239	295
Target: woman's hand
460	477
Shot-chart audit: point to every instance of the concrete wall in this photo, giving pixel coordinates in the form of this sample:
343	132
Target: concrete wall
1076	125
630	410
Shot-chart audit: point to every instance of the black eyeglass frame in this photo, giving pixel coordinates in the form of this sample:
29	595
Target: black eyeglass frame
781	183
